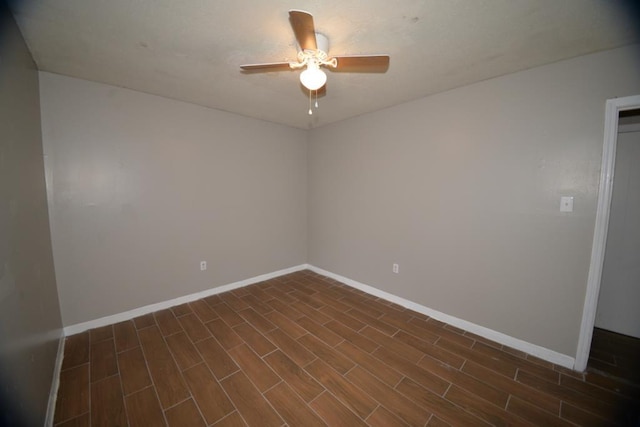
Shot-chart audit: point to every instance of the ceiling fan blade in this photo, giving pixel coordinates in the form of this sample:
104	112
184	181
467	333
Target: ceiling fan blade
362	63
269	66
303	28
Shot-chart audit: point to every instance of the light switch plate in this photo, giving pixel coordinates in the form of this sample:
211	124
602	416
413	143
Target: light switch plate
566	204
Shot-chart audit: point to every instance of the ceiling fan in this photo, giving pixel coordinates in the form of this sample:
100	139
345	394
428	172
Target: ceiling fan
313	55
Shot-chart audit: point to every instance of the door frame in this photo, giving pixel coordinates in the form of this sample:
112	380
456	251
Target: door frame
613	108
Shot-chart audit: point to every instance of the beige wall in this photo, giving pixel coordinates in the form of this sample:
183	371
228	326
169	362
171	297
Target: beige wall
30	324
142	188
462	190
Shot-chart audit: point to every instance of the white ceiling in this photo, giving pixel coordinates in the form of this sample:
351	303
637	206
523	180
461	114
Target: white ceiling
191	49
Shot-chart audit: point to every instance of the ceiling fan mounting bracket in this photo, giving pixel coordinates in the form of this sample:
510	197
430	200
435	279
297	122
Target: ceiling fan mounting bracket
318	57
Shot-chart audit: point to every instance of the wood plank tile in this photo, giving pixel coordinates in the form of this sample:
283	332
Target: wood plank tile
73	393
233	301
278	294
311	312
320	332
258	305
411	329
533	413
99	334
291	348
83	420
249	401
184	352
287	325
383	418
216	358
203	310
103	360
381	370
254	339
165	374
594	391
612	384
350	395
509	359
224	334
181	310
208	394
486	375
254	367
307	299
144	321
434	327
461	378
76	350
594	405
481	408
291	407
133	371
397	403
256	320
229	316
471	384
107	404
213	300
125	336
351	336
285	309
335	413
232	420
581	417
408	352
194	328
416	373
431	350
508	370
437	422
143	409
331	357
296	377
185	414
328	298
344	318
167	322
439	406
363	306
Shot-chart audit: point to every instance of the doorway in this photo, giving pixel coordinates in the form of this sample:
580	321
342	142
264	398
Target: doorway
613	109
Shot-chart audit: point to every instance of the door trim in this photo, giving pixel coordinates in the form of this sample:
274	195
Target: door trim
613	107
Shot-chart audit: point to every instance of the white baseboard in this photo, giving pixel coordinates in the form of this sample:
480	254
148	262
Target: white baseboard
55	383
518	344
127	315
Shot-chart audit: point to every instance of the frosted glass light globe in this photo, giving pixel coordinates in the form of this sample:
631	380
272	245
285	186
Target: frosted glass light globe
313	78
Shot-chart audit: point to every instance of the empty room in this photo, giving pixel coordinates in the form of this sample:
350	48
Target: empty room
340	213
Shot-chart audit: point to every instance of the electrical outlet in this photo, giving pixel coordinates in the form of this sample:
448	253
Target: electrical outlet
396	268
203	265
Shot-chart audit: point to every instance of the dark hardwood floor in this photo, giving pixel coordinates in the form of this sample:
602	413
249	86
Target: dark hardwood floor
305	350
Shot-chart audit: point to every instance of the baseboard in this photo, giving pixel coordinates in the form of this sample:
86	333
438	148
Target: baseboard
127	315
518	344
55	383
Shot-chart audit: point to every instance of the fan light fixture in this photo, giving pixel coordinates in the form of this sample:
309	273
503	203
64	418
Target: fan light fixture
313	78
313	55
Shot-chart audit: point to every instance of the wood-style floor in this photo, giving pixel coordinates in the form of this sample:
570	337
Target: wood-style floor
305	350
615	355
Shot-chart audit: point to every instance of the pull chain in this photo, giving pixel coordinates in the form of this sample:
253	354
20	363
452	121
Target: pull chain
316	98
310	111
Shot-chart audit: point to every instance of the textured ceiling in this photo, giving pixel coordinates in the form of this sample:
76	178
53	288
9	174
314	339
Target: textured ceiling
191	49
